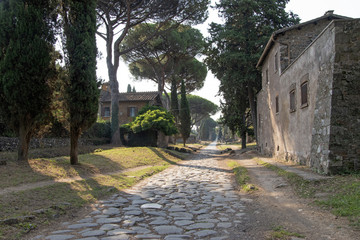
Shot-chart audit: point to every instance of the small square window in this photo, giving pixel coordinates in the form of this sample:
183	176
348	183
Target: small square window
292	101
277	104
132	111
106	112
304	94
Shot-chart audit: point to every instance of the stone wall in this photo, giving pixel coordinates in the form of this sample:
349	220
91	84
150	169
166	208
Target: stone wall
295	41
345	116
11	144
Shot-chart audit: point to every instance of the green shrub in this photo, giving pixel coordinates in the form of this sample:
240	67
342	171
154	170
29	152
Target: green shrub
100	129
155	118
148	107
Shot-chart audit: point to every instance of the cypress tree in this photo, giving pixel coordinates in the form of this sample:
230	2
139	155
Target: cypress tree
174	103
129	88
26	40
185	119
83	88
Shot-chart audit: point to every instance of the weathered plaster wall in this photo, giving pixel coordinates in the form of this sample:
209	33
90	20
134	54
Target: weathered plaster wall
288	134
345	117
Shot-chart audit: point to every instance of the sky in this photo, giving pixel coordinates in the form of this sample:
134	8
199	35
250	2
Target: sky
305	9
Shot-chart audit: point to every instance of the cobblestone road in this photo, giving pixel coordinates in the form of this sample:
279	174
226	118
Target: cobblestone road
194	200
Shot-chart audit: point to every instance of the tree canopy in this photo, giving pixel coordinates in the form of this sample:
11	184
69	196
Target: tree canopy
168	57
235	47
200	108
117	18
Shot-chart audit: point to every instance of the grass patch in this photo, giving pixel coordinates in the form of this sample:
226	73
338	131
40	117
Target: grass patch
339	194
101	161
241	176
280	232
301	186
345	198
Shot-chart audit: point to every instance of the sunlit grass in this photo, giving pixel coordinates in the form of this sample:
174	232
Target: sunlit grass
242	176
280	233
105	161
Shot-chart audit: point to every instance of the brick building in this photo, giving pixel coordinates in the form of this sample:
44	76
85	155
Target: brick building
308	107
129	103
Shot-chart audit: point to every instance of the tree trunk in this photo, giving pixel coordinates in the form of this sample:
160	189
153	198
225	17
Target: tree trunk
24	141
252	102
243	140
74	139
114	88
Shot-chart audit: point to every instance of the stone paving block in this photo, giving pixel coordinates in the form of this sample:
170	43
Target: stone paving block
139	201
117	237
93	233
160	222
111	211
120	231
86	220
133	213
224	224
200	226
82	225
59	237
148	236
151	206
109	220
168	229
88	238
108	227
183	222
205	233
177	237
140	230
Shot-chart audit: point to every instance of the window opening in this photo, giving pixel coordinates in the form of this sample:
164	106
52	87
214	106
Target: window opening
292	101
304	94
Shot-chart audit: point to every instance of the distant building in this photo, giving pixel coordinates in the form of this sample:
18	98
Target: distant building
129	103
309	104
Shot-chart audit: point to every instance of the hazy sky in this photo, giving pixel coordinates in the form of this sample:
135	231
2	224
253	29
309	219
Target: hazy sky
306	9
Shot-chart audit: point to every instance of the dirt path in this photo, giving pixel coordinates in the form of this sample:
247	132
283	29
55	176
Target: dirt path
275	205
29	186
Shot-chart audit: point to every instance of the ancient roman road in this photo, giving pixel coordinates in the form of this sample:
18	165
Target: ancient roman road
195	199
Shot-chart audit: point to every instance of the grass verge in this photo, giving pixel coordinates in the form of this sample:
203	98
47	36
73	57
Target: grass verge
339	194
99	162
280	233
241	176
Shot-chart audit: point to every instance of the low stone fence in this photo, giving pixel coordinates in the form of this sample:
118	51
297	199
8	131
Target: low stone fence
11	144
